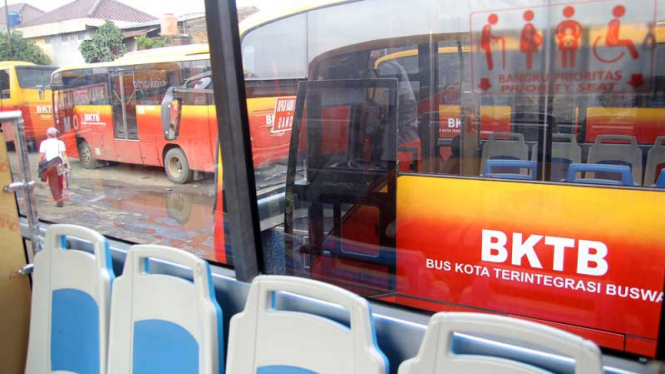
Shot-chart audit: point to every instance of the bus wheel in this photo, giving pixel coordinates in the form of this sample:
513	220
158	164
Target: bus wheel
179	206
32	146
85	156
177	167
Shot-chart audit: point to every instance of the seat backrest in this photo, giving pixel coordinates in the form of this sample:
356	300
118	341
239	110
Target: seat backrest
161	323
264	340
565	151
505	146
565	146
519	166
655	158
621	172
435	354
629	154
71	295
661	180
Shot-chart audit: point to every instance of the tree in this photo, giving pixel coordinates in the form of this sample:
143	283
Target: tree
145	42
105	44
22	50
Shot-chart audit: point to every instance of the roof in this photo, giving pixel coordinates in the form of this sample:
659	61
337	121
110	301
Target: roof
269	15
86	69
190	52
143	31
165	53
27	12
5	64
111	10
157	22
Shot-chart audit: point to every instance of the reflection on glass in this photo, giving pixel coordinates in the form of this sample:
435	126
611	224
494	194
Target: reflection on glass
509	168
132	178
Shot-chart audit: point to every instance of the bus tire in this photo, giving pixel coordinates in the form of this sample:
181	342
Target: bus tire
86	156
179	207
32	146
177	166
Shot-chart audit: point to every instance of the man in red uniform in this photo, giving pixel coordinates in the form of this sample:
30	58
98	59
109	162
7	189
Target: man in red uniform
531	39
568	34
52	154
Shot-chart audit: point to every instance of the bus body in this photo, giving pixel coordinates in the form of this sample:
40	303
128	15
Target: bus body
24	87
113	112
390	192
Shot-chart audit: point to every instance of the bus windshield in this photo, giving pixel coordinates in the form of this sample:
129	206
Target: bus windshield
34	76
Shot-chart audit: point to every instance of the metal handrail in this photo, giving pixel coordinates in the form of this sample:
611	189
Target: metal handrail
26	184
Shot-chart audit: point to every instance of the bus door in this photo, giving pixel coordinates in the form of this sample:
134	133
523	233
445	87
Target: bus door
342	177
125	143
5	98
4	88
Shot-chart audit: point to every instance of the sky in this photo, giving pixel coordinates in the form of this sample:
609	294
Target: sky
156	7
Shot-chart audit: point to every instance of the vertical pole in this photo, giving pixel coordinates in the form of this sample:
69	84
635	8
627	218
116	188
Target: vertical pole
234	137
9	32
28	183
660	347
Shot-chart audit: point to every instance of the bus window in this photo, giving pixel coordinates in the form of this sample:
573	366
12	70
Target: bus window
266	55
502	154
123	102
5	86
34	77
110	119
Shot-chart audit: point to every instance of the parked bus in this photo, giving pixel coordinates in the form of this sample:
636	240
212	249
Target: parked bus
25	87
411	181
113	112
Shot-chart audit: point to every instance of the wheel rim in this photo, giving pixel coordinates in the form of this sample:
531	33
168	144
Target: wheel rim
86	154
176	203
175	167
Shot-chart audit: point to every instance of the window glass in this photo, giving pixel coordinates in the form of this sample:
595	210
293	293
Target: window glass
141	137
4	84
497	156
266	56
34	77
448	156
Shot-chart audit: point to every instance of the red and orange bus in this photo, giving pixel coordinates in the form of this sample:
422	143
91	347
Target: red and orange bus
24	87
113	112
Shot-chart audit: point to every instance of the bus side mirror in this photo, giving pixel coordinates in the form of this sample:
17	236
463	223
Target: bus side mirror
171	112
41	92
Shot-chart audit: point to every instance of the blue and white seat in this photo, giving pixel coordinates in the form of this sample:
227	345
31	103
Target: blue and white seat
436	356
565	151
70	304
655	162
617	150
264	340
161	323
509	147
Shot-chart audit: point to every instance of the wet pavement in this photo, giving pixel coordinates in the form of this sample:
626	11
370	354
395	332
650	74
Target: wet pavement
138	204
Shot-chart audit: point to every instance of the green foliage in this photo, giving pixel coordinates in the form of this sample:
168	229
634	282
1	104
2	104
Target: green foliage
22	50
145	42
105	45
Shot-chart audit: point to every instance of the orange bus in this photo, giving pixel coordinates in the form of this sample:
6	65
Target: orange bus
111	112
115	111
25	87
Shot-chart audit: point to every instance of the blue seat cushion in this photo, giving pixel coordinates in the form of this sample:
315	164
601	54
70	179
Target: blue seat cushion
74	332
